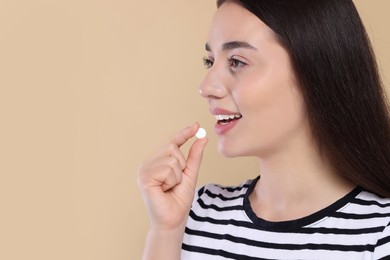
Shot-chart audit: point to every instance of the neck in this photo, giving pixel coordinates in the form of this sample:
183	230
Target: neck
296	183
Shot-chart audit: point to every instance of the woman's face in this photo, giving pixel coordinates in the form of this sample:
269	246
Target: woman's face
250	86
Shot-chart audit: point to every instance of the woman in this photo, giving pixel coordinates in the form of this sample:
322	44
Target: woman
295	84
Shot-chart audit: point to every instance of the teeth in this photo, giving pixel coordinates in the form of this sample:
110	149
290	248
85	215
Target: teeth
222	117
226	117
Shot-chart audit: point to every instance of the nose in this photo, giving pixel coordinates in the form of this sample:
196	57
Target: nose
213	85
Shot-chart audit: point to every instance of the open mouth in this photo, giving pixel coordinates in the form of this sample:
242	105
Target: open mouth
226	119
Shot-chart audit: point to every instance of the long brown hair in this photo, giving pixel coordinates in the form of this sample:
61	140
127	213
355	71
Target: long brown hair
334	63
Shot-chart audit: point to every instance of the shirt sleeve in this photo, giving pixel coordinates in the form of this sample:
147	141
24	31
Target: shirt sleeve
382	249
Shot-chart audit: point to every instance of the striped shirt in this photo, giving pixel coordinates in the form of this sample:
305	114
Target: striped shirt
222	225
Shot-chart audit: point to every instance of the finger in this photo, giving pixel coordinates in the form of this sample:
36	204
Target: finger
174	151
185	134
169	181
169	150
156	172
194	158
174	164
162	176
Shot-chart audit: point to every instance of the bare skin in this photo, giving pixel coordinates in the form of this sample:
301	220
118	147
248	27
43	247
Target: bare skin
253	77
168	181
249	75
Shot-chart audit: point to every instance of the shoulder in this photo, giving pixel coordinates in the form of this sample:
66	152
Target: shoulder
369	200
376	209
220	198
370	208
216	191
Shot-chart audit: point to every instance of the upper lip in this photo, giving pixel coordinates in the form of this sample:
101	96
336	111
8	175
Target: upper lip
221	111
223	114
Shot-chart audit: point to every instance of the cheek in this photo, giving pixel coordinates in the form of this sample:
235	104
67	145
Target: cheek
286	105
285	118
273	110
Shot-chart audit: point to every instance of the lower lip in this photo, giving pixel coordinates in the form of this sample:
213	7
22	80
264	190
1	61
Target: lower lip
221	129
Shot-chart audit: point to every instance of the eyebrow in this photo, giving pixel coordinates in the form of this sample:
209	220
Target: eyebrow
233	45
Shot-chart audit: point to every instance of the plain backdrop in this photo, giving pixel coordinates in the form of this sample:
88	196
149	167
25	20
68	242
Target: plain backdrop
88	90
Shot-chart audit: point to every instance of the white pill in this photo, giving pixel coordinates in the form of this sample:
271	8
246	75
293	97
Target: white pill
201	133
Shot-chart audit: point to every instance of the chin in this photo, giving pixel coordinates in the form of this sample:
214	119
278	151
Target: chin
232	150
229	151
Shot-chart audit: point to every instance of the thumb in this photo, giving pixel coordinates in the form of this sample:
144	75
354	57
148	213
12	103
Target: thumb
194	158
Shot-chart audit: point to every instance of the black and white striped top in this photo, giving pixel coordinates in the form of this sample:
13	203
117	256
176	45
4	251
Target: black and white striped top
222	225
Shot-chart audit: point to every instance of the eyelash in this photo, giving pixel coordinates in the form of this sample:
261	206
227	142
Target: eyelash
207	62
234	63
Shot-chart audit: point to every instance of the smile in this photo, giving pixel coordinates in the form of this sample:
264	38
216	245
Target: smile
225	119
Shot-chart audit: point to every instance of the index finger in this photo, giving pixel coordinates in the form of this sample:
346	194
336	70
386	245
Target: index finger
185	134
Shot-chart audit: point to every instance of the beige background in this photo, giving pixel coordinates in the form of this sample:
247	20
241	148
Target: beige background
88	89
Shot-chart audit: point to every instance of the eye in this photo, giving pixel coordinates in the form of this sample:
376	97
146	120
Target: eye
207	62
236	63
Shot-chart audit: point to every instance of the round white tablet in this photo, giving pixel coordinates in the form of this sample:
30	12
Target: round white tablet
201	133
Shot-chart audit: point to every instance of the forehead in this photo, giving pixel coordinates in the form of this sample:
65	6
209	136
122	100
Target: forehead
232	22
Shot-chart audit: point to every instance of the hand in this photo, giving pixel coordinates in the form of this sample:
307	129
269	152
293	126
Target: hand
168	180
